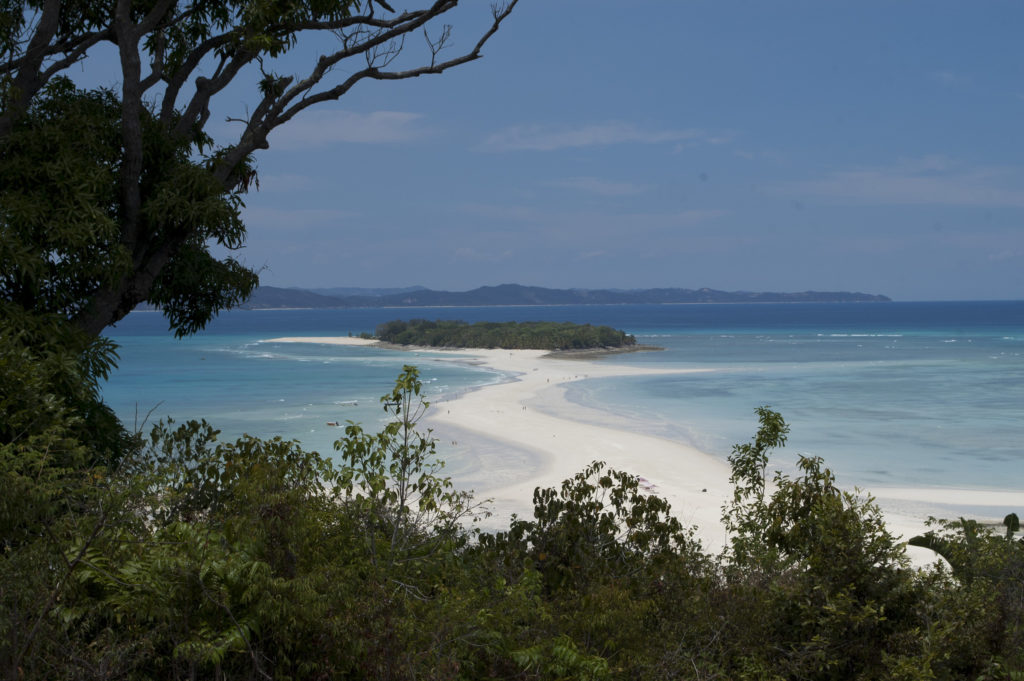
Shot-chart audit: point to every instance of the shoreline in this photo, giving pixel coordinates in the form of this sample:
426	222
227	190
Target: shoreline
694	482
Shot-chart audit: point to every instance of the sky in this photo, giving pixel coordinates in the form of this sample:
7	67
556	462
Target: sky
769	146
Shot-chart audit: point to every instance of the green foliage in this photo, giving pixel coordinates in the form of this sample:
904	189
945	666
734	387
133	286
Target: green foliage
561	659
393	480
747	516
507	335
257	558
54	429
989	588
58	201
586	578
598	525
226	564
61	216
195	558
837	589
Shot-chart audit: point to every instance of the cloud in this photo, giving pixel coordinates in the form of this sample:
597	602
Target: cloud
333	126
542	138
931	180
1005	254
948	78
596	185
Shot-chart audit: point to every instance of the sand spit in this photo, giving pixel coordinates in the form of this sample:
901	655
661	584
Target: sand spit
694	482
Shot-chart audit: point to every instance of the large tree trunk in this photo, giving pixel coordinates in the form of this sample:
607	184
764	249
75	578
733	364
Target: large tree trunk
110	305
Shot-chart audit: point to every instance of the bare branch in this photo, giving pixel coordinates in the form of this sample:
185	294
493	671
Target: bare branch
300	96
438	44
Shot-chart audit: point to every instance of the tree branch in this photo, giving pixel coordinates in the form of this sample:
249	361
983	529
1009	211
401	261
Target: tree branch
279	112
181	75
28	81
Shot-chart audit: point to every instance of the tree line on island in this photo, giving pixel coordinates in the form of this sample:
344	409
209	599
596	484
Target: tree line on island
506	335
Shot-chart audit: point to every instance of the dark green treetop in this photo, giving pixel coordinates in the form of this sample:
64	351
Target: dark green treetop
508	335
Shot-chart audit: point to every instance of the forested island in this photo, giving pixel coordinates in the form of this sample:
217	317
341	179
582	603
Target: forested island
506	335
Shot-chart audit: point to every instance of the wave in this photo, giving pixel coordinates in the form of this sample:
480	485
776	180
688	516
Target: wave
860	335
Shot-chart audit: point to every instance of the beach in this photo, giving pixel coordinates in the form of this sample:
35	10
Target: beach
695	483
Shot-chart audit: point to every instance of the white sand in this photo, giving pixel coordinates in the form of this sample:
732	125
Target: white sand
695	483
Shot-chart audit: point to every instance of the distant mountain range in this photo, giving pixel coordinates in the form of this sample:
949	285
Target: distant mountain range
270	297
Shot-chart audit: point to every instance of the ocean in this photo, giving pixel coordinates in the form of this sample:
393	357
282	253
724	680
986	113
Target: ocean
889	394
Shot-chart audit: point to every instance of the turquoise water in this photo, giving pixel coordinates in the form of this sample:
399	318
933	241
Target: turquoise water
889	394
241	384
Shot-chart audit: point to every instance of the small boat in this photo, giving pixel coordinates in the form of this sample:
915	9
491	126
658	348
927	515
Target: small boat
349	403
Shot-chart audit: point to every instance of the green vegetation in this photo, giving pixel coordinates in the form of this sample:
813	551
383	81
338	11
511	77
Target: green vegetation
178	556
186	557
507	335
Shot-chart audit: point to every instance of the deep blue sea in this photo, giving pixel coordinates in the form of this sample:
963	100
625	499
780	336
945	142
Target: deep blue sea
902	394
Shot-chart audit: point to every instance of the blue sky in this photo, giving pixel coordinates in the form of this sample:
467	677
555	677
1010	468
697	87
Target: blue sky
785	146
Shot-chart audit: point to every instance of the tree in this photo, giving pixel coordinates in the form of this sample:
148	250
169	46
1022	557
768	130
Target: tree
131	206
828	583
393	482
257	559
61	215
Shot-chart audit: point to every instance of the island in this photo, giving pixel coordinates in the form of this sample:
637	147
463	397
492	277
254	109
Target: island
504	335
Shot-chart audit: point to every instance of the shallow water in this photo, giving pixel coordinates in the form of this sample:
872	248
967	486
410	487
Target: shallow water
889	394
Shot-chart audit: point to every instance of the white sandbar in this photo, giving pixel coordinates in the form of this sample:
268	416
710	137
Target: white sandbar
695	483
326	340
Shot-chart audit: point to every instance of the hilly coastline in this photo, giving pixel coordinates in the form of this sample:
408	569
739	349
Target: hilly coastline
270	297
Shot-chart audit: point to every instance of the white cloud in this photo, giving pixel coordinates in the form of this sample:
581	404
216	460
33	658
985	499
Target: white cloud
595	185
930	180
542	138
1005	254
947	78
332	126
